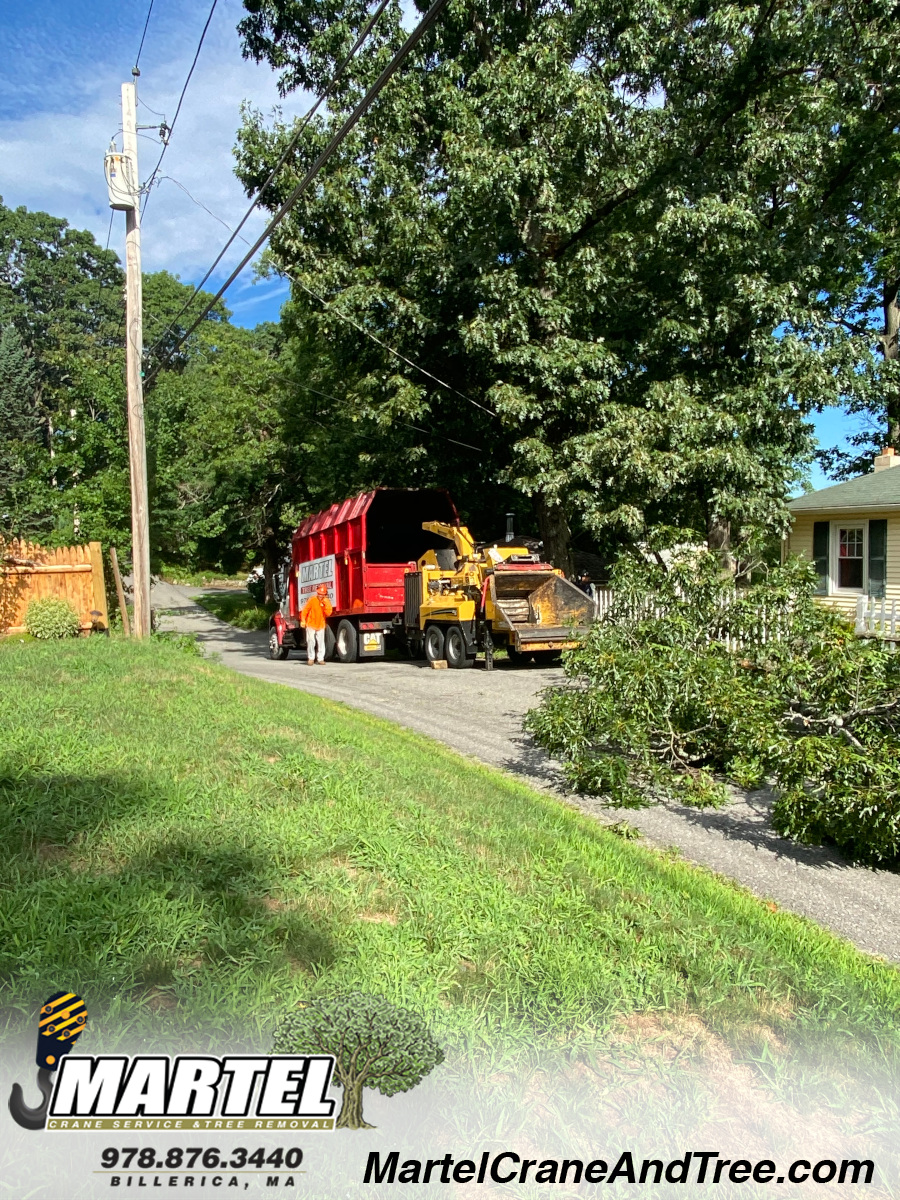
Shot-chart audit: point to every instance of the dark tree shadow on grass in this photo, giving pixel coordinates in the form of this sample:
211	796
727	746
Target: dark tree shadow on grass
185	912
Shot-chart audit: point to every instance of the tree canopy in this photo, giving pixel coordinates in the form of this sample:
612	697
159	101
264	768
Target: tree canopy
633	238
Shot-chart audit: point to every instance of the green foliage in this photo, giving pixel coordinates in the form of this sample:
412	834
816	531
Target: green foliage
61	294
238	609
222	467
51	618
630	233
257	589
375	1043
657	704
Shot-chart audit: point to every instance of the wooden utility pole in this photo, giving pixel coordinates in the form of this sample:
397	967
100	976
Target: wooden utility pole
137	450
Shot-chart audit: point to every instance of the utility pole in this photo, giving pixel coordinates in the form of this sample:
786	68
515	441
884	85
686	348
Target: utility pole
137	449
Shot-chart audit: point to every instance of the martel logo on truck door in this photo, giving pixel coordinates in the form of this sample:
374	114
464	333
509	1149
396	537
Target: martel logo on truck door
311	574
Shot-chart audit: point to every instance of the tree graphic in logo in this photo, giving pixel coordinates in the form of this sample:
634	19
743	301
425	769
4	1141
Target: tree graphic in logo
375	1044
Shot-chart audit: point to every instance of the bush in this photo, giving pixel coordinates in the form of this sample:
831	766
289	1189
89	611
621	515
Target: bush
256	586
52	618
672	694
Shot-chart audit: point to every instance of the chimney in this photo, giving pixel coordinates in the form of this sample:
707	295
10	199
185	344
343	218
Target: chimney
510	518
887	458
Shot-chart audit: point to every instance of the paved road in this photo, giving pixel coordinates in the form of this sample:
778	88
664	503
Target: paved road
479	714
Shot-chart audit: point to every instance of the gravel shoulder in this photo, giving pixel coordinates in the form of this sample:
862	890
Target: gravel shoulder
479	714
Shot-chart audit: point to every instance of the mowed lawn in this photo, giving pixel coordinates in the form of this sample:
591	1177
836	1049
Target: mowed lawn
190	849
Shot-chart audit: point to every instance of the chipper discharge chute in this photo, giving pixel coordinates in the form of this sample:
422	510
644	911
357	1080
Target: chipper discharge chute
498	595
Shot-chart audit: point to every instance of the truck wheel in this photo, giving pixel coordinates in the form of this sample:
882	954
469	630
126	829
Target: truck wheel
346	642
455	649
434	643
329	643
276	650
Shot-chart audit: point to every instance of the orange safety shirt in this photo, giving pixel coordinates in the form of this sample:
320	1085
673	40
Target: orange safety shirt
315	610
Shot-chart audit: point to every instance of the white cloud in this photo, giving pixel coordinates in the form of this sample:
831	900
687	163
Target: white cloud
52	158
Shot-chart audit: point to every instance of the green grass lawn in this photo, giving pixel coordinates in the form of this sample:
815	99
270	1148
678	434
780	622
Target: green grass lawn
237	608
193	850
182	577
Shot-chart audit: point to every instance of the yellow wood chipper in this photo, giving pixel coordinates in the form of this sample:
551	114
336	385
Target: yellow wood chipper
469	599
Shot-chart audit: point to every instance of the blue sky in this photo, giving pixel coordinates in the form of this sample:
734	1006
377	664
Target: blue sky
60	105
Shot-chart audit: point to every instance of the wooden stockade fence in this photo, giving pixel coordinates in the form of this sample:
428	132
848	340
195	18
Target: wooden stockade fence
74	573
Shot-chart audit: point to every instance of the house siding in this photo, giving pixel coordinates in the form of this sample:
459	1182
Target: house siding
800	541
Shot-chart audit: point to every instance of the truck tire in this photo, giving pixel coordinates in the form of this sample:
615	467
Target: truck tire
434	643
329	643
346	642
276	650
455	649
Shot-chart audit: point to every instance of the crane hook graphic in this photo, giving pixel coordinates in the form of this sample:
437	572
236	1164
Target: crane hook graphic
62	1019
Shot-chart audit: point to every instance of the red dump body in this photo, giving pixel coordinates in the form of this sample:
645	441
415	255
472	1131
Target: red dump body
362	548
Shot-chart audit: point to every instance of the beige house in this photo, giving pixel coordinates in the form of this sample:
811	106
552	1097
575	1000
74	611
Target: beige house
852	533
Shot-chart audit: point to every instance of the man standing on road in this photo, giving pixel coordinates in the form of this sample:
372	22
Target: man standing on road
312	619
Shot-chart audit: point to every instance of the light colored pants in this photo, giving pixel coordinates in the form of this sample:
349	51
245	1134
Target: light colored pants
315	644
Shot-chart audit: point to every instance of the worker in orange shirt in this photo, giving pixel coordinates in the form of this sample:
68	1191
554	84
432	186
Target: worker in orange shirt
312	619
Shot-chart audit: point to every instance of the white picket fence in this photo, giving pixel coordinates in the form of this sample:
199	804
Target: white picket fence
736	631
874	618
877	618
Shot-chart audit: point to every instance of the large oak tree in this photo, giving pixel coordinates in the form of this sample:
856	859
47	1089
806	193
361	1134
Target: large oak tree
640	233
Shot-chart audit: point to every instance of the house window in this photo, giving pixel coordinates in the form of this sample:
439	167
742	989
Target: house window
849	572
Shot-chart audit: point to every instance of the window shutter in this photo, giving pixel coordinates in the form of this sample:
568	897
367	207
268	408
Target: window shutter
877	558
820	555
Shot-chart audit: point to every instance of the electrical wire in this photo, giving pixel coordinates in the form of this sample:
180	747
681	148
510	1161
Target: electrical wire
396	353
149	183
285	154
395	421
143	35
199	204
334	143
337	312
151	110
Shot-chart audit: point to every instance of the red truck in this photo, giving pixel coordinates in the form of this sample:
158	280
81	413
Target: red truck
361	550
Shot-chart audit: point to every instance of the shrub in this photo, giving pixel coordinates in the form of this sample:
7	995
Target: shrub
676	691
256	586
52	618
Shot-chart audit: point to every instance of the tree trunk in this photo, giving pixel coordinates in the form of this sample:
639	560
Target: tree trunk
890	348
718	541
553	525
271	559
351	1116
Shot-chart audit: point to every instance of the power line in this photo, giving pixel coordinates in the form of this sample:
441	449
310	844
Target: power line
395	421
178	108
149	109
396	353
199	204
338	138
308	116
143	35
341	315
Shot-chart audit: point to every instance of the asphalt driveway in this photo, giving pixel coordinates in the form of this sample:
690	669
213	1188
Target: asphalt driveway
479	714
